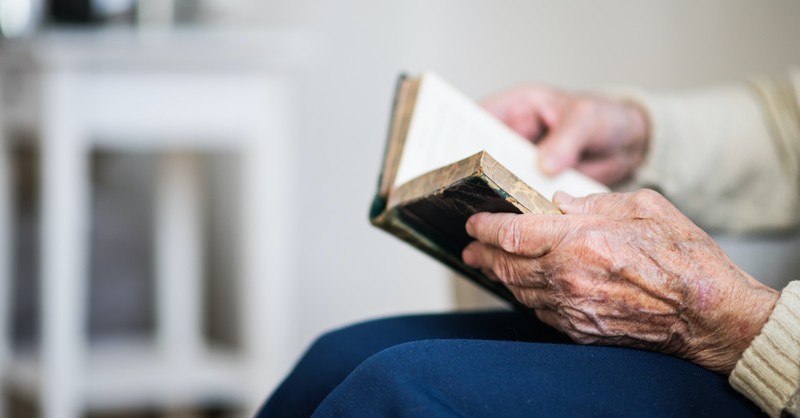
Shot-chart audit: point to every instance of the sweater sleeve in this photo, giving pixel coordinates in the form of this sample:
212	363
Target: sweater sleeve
769	371
728	157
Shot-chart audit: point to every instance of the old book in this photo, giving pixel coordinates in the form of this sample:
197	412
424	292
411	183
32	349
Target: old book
447	159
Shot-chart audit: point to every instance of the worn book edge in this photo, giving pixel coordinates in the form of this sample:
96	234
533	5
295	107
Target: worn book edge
388	214
505	183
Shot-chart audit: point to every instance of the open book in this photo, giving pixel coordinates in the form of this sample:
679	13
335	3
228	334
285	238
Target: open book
447	159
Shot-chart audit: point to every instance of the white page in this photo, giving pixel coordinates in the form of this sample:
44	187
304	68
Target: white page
447	126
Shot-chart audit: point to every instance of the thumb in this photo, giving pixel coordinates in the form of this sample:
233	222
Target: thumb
609	204
573	205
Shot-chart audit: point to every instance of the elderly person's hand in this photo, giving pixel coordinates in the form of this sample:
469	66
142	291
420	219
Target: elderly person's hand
604	138
627	270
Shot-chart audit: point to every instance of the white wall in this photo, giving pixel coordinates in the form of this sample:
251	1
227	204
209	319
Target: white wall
349	271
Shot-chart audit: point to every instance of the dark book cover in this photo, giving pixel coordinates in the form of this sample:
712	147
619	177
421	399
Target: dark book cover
431	211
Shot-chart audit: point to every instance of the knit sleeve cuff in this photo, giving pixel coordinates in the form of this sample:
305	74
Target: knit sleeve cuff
769	371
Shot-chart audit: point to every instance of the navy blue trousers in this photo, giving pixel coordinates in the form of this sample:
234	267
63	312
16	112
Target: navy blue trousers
496	364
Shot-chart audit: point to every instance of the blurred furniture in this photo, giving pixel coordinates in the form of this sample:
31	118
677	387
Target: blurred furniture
174	93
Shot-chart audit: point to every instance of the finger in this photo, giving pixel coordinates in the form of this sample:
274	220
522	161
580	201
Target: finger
474	256
535	298
563	146
530	110
526	235
526	122
520	113
489	273
642	203
509	269
597	203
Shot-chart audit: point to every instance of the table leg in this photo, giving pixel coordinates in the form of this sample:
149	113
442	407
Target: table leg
64	243
179	266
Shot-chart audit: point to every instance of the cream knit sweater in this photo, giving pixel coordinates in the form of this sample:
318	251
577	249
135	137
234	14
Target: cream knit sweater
729	157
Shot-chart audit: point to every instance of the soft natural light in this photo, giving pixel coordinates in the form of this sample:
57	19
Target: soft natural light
15	17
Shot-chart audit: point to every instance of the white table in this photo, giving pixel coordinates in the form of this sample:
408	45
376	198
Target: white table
173	93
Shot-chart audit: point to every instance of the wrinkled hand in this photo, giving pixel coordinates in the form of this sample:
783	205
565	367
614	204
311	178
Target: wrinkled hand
626	270
603	138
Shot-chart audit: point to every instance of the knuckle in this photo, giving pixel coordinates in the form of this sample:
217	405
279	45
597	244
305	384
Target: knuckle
647	199
535	91
583	106
589	203
509	235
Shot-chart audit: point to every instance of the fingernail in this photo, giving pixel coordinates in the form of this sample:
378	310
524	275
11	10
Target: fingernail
550	165
469	257
471	225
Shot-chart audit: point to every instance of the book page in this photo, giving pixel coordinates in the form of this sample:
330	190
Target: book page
447	126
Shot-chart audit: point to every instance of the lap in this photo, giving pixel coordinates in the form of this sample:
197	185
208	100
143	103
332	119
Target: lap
443	378
504	362
336	354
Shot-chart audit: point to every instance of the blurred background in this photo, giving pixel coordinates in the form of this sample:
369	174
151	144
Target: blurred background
185	183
